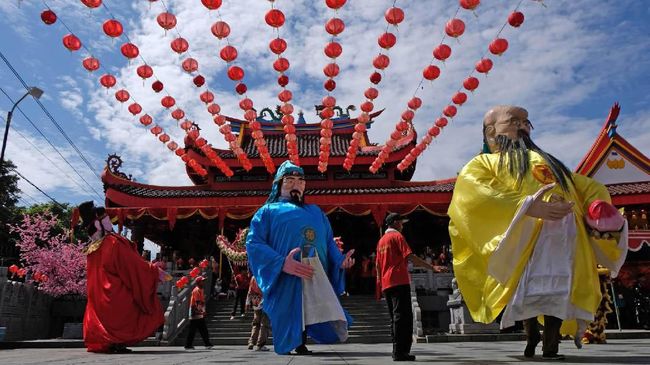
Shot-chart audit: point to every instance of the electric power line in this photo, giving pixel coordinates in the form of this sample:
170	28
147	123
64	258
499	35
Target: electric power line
39	189
49	142
56	124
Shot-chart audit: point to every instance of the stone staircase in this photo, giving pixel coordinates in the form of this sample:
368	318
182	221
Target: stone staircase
371	323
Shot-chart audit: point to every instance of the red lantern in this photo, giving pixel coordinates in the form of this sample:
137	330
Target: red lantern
228	53
516	19
371	93
408	115
179	45
156	130
328	101
375	78
199	81
394	15
214	109
178	114
130	50
470	83
278	45
459	98
484	65
333	49
281	64
274	18
469	4
285	96
434	131
381	61
449	111
334	26
164	138
220	29
172	146
90	63
92	3
455	28
180	152
241	88
190	65
146	120
441	122
331	70
335	4
166	20
246	104
211	4
235	73
387	40
415	103
367	106
498	46
442	52
157	86
329	85
13	269
113	28
431	72
122	95
207	97
135	108
107	81
71	42
186	125
167	101
144	71
48	17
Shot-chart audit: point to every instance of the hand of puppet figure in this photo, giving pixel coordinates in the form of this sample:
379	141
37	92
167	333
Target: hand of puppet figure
163	275
348	261
294	267
552	210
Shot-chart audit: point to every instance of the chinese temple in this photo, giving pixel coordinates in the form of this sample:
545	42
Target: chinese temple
188	218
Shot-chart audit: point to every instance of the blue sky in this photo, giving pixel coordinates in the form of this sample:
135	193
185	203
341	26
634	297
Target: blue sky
568	63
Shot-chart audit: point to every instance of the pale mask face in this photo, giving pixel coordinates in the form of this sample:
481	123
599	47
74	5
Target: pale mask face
505	121
105	221
292	187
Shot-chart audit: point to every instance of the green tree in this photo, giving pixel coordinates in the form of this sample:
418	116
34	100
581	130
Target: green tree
9	212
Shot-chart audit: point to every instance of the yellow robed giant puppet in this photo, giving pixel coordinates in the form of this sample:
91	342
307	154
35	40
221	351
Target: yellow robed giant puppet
527	235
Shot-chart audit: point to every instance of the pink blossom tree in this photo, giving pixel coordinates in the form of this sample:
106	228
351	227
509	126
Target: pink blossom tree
41	251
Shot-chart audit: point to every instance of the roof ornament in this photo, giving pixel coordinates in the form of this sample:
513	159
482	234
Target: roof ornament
113	164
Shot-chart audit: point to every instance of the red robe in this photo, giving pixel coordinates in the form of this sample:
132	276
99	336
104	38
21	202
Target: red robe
123	307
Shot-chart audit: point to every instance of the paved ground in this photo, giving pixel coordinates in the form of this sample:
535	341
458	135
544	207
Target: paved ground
630	351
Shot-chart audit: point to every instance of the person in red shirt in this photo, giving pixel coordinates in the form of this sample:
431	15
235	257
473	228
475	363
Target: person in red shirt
197	316
242	280
394	280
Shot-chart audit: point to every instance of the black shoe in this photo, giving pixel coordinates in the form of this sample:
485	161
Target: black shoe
123	350
406	357
303	350
530	347
554	356
189	347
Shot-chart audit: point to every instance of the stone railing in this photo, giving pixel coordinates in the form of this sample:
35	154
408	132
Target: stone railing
433	289
177	314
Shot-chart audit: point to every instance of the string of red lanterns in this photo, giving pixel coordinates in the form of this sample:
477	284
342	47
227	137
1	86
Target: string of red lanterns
334	26
108	81
386	41
275	18
228	53
180	45
497	47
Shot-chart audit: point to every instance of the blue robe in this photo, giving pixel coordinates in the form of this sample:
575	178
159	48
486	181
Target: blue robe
275	230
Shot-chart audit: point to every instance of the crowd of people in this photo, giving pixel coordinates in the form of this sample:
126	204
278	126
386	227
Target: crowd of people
526	232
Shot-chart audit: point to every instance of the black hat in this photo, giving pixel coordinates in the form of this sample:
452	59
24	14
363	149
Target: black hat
394	217
87	212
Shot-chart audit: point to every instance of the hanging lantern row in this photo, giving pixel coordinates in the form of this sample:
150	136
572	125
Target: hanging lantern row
229	54
209	152
275	18
497	47
190	65
158	131
386	41
334	26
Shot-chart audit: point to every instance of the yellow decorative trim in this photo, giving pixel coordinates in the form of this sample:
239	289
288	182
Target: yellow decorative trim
616	164
93	246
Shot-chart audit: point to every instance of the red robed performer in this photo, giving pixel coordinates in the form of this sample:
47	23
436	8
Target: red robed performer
123	308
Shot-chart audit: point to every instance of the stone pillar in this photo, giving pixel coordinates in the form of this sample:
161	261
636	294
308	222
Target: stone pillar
461	320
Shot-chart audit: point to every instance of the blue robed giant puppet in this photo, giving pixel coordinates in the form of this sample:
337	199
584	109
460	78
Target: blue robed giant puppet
298	266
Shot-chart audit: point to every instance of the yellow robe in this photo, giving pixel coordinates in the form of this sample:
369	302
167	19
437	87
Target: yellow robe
483	205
